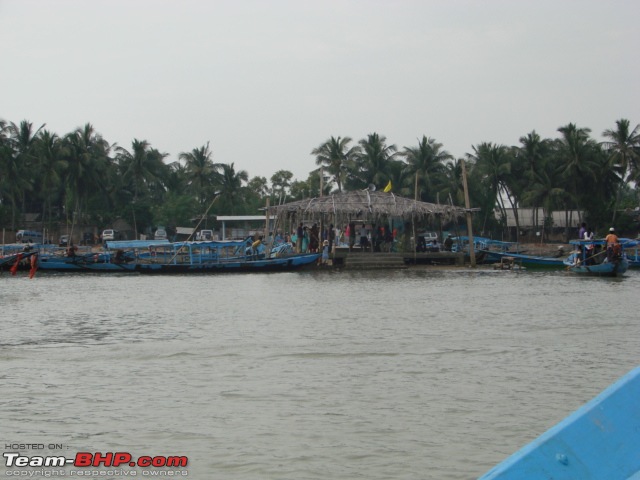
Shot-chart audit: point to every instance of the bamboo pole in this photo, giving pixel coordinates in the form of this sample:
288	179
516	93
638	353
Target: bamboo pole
472	252
268	243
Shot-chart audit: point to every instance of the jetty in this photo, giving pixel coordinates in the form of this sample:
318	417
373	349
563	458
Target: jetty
359	259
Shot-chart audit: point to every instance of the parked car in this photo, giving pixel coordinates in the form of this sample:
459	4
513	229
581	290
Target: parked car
204	235
429	237
64	241
427	242
161	234
108	234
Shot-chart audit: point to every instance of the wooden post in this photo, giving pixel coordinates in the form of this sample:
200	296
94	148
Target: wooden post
266	230
321	228
472	253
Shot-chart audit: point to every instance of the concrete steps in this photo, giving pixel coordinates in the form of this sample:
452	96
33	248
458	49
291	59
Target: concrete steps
374	261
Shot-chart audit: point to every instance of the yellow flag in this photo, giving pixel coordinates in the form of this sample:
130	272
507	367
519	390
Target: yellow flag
388	187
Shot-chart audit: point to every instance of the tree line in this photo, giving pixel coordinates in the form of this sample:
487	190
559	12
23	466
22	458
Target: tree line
80	177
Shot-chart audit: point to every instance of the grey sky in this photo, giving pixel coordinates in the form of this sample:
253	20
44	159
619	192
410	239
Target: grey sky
267	81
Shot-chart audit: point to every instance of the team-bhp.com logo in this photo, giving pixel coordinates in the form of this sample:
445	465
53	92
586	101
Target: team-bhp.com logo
97	459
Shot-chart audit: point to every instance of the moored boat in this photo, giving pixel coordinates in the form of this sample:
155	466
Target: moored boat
118	256
92	262
217	256
632	251
532	262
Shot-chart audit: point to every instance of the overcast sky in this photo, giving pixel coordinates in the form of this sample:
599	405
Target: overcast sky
265	82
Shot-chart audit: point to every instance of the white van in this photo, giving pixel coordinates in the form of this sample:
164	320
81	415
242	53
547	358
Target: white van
108	234
205	235
28	236
161	234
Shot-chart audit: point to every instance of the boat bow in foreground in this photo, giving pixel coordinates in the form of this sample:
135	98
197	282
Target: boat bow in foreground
599	441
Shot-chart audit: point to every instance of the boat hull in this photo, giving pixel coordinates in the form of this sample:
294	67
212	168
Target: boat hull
612	269
82	266
531	262
598	441
230	266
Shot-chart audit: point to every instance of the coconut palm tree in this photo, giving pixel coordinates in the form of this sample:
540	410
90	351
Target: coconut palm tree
624	155
21	140
87	161
12	179
534	152
402	182
337	157
202	172
492	170
51	164
425	163
144	166
145	172
451	190
230	188
577	154
373	161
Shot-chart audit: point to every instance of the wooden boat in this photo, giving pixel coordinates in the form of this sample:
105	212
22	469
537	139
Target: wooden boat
532	262
220	256
483	248
632	251
10	260
591	258
598	441
91	262
118	257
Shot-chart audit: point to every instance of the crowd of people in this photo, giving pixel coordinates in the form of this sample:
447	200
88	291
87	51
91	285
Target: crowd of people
310	239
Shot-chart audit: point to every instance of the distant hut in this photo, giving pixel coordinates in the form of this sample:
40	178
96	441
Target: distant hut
373	207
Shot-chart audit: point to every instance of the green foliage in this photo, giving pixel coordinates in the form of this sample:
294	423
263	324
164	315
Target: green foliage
176	211
80	176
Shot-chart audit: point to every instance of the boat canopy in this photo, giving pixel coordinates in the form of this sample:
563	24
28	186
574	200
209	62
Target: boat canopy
129	244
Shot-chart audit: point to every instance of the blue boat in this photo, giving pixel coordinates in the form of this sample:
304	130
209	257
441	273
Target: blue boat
599	441
91	262
532	262
118	257
632	251
485	249
591	258
19	257
218	256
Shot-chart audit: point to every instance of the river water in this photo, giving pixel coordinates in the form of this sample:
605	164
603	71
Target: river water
408	374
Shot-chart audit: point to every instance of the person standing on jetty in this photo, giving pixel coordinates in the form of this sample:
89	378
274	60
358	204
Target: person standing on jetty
314	238
299	234
351	234
325	252
332	237
364	239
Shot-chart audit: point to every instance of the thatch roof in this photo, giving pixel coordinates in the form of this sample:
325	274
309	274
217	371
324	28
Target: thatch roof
366	204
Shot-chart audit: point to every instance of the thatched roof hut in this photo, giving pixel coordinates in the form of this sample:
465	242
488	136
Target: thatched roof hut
367	205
